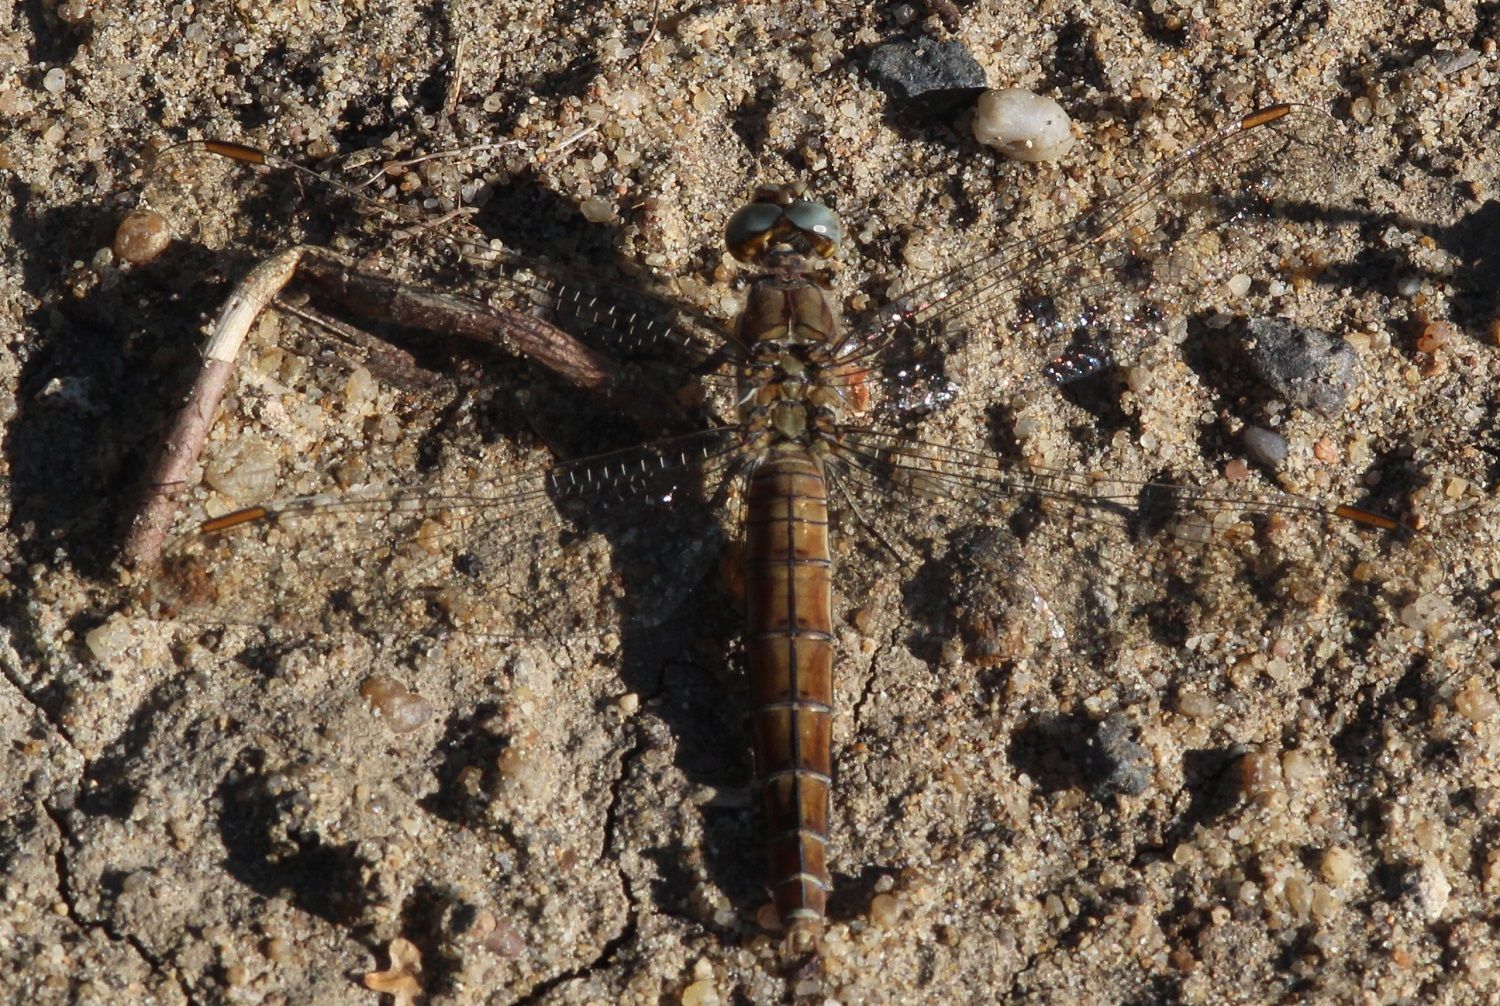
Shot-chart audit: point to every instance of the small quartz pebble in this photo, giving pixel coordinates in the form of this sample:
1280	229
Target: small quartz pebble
73	12
1476	702
700	994
403	709
1338	867
1023	126
1434	336
110	640
141	237
400	979
596	210
1427	890
885	910
1265	447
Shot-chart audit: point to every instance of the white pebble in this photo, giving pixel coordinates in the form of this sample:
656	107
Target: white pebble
55	80
109	641
1023	126
596	210
245	472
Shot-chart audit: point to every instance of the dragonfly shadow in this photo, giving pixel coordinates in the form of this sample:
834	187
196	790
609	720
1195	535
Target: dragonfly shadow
1475	239
1052	749
274	848
88	410
1211	792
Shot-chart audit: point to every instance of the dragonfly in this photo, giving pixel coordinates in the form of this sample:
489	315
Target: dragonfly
808	446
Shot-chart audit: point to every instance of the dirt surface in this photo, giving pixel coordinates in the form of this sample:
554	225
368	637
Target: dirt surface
232	814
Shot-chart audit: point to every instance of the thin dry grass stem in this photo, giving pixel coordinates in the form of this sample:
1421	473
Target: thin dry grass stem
184	440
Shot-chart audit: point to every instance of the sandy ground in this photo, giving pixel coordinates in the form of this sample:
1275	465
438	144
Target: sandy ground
215	814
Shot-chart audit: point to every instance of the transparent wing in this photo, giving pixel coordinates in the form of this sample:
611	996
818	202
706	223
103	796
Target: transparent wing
1116	276
624	322
566	549
1109	558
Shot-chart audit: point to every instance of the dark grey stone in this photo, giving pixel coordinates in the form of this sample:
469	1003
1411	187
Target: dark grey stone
1117	764
1303	366
1265	447
931	76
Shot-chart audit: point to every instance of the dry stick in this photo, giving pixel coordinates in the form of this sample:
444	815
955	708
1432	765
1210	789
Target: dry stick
388	362
184	441
455	84
391	301
519	333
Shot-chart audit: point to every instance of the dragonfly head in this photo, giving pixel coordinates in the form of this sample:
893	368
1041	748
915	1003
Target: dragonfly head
781	222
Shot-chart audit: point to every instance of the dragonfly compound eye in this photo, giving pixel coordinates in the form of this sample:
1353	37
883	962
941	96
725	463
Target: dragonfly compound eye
751	229
820	225
806	226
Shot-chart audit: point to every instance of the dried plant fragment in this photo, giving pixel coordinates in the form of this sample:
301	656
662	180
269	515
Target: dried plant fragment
400	979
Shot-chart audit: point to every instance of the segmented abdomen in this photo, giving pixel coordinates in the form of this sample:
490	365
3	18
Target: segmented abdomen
790	652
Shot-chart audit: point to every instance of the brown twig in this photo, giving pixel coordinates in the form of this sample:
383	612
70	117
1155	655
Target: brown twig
455	83
547	345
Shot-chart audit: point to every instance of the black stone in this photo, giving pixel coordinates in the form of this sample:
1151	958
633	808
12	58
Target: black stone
932	77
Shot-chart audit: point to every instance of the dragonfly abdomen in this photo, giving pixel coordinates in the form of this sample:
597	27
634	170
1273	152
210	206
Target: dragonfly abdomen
790	654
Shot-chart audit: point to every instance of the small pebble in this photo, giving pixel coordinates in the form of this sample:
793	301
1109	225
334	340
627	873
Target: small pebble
1427	890
55	80
1434	336
1265	447
596	210
1023	126
1303	366
885	910
110	640
245	471
1297	768
1195	705
141	237
403	709
1299	896
1117	763
1426	613
73	11
700	994
1337	867
1259	776
522	773
1476	702
1489	873
932	76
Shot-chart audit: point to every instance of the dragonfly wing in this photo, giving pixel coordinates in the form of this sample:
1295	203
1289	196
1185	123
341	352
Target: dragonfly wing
1112	559
568	548
1116	277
